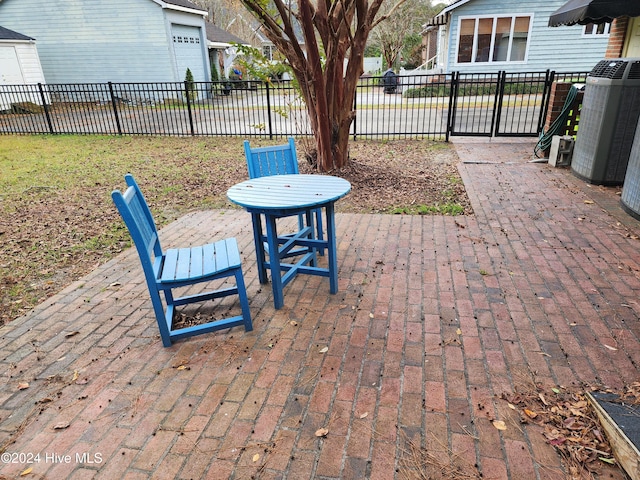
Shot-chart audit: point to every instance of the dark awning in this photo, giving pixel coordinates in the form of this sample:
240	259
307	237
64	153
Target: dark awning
593	11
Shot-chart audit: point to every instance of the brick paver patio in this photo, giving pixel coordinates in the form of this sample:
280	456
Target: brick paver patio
436	317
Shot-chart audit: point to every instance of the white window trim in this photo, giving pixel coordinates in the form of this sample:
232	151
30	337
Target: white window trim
493	33
606	33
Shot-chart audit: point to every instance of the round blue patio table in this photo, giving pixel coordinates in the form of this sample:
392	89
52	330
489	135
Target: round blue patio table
280	196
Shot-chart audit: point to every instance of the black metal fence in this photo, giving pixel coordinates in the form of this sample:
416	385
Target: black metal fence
431	106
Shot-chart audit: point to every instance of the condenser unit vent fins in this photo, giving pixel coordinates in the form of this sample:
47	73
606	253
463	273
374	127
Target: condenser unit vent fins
613	69
634	71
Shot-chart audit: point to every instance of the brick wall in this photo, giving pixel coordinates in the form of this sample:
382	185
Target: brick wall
616	37
557	99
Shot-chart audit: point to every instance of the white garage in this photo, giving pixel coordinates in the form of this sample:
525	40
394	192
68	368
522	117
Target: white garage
190	51
19	65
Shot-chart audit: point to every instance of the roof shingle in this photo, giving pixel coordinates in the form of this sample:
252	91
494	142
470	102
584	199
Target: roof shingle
6	34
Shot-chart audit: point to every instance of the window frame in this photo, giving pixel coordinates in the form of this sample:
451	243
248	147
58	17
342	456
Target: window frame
595	34
495	19
271	50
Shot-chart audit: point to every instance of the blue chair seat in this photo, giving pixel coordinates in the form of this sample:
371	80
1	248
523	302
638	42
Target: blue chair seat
181	267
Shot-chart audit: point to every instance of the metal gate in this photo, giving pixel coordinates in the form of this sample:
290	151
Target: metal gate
499	104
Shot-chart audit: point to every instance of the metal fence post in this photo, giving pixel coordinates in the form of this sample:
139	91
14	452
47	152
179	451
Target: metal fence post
187	94
46	108
453	99
270	127
355	116
549	78
497	102
114	104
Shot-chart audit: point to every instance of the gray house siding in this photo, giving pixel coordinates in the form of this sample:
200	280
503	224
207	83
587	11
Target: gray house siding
564	49
86	41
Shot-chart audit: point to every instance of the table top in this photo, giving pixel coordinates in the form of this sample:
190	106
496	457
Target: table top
278	192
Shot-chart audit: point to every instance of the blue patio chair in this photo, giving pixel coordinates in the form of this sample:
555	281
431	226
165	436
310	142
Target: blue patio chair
180	267
279	160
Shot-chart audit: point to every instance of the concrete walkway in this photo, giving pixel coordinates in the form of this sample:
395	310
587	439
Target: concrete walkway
436	318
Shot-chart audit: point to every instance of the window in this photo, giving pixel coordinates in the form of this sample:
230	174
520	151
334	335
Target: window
493	39
268	51
597	29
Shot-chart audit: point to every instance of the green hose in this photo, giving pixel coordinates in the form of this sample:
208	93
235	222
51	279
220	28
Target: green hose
558	125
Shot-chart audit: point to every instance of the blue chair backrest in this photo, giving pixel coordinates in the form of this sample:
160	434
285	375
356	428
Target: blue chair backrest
274	160
138	219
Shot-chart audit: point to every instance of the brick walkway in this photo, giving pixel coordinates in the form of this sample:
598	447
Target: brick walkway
436	318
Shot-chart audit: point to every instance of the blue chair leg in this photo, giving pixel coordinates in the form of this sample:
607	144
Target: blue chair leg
244	301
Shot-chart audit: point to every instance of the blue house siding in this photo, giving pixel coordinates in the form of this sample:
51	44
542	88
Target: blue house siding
564	49
85	41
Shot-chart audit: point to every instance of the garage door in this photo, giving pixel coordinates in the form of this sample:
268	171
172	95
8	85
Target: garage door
188	50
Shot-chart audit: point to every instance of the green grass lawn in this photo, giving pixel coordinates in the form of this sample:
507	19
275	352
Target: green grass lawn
57	220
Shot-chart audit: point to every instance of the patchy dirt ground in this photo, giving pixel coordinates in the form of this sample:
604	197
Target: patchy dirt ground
50	238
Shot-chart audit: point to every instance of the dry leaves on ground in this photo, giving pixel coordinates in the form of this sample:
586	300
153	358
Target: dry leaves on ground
568	424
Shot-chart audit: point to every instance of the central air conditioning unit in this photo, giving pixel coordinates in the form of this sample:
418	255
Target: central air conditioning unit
608	120
630	198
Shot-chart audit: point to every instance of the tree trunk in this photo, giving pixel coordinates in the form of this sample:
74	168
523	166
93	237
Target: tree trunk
341	27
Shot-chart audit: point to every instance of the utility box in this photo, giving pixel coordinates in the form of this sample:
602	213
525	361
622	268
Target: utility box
608	119
561	151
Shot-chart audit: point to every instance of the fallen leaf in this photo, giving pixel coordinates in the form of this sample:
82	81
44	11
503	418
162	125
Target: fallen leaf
459	332
26	472
115	284
511	406
499	424
542	399
610	347
324	350
71	334
371	315
557	441
530	413
60	426
322	432
556	391
75	376
182	367
294	323
364	415
23	385
256	457
611	461
588	202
